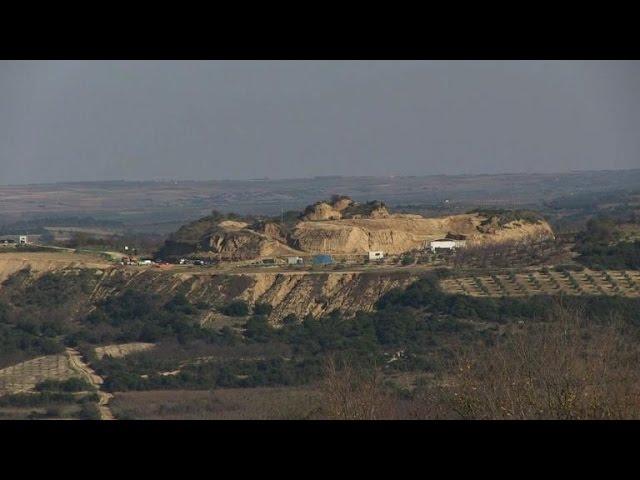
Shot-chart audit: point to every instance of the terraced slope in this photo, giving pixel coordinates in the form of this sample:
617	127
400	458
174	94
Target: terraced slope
23	377
588	282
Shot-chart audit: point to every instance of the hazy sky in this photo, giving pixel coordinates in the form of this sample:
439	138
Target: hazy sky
96	120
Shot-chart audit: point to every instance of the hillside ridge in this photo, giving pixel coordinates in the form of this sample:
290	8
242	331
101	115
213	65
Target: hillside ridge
343	226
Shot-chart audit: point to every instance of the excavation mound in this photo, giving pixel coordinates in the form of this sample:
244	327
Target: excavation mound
342	226
401	233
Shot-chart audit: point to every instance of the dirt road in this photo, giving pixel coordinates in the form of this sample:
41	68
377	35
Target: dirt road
232	270
79	365
117	255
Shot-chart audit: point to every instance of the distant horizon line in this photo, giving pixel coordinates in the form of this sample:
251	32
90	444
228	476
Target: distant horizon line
315	177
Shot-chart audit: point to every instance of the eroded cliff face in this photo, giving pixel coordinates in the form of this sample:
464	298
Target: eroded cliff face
321	294
236	241
296	293
300	294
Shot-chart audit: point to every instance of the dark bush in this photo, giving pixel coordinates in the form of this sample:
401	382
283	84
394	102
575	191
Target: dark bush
262	309
236	308
74	384
88	411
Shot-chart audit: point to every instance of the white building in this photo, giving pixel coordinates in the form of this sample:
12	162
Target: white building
14	239
446	244
376	255
294	261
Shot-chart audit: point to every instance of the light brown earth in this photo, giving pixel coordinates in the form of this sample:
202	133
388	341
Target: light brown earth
401	233
288	291
122	349
235	242
24	376
303	295
393	234
297	293
12	261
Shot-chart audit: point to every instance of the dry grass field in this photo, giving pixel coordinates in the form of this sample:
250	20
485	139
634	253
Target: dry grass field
223	404
547	282
12	261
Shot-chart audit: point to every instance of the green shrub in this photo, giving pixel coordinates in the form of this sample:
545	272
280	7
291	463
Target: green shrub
407	260
36	399
236	308
258	329
568	268
73	384
88	411
262	309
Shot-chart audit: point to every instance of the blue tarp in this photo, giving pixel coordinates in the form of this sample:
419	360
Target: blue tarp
322	260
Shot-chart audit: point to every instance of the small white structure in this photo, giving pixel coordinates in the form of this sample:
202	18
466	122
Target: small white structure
376	255
23	240
294	261
7	240
446	244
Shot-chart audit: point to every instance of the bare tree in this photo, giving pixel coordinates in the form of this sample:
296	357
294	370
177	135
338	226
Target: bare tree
563	368
351	393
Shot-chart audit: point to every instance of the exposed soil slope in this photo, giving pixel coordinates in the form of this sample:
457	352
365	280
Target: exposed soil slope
401	233
288	293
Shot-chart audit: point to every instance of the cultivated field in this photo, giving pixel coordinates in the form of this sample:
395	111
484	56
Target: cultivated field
547	282
23	377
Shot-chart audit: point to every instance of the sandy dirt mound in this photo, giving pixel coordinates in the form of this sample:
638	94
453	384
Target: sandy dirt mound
323	211
273	231
232	225
122	349
515	231
344	207
381	212
246	244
